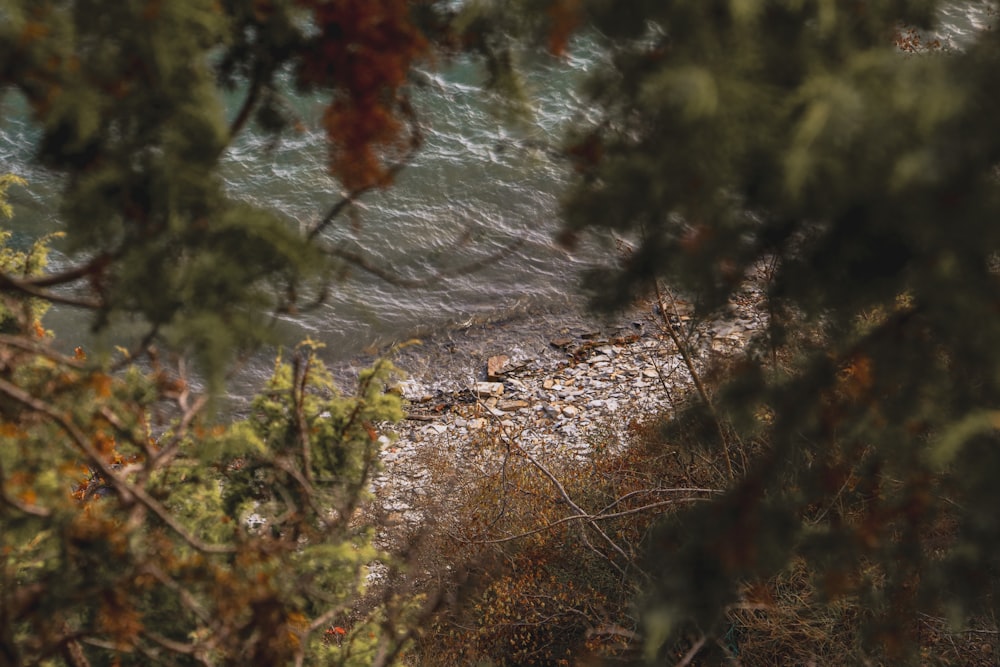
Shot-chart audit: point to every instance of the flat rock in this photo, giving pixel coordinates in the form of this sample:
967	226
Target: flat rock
489	388
496	366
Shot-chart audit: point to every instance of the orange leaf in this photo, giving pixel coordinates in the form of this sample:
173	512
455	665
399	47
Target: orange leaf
102	384
565	17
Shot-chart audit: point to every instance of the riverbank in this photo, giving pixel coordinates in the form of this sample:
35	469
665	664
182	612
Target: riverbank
557	387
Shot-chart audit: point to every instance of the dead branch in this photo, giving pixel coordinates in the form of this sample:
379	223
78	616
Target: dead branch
29	287
696	378
565	496
360	261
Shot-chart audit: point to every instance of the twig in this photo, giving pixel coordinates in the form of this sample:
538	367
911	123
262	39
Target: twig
39	348
416	141
689	656
363	263
186	598
696	378
253	93
300	377
566	497
585	517
69	275
31	289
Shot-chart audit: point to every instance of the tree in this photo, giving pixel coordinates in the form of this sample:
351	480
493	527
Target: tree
797	135
136	526
793	133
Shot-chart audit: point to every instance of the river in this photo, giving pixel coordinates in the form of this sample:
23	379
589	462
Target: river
478	185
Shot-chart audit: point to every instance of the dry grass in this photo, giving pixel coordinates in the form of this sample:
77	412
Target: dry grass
539	554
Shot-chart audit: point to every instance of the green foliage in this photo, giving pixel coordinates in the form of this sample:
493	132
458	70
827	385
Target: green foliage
210	543
810	135
17	314
6	181
799	135
133	528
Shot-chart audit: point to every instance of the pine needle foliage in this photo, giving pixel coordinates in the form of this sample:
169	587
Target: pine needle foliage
807	136
136	527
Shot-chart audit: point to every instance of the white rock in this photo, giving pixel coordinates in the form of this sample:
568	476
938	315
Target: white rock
516	384
489	388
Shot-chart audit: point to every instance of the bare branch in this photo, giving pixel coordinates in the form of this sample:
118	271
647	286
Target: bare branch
73	274
186	598
41	349
307	489
649	492
362	262
253	94
416	141
613	631
31	289
300	379
585	517
696	378
690	655
170	644
188	414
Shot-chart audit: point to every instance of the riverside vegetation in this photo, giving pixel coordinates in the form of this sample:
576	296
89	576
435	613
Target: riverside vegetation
826	495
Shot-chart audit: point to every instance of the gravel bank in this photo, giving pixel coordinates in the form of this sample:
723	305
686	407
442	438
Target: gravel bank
565	384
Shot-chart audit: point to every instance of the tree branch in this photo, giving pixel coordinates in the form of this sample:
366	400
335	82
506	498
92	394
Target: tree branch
69	275
416	141
126	491
696	378
32	289
584	516
36	347
253	94
362	262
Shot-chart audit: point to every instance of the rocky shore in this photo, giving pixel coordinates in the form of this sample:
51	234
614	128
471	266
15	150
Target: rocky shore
585	385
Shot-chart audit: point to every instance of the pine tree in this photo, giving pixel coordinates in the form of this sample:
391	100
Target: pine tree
817	139
137	526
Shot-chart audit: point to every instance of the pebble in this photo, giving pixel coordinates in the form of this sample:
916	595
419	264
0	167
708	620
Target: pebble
489	388
563	408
